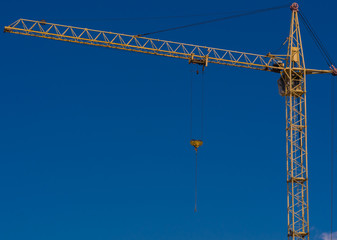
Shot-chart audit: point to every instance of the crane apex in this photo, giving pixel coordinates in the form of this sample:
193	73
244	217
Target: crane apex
294	7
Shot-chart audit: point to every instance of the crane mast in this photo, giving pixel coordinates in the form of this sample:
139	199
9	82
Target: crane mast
292	84
296	134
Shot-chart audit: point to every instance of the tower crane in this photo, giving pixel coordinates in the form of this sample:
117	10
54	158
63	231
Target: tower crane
292	86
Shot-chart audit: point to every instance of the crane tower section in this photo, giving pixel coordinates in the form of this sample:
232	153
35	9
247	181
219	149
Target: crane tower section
294	80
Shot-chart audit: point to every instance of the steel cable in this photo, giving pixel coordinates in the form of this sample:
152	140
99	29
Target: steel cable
332	150
215	20
317	40
202	102
139	18
196	179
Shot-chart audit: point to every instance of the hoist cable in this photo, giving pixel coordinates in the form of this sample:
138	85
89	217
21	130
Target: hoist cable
332	150
191	105
202	103
317	40
196	143
215	20
196	181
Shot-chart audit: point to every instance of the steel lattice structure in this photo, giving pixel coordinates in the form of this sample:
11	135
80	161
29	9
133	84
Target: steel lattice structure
194	53
296	135
292	83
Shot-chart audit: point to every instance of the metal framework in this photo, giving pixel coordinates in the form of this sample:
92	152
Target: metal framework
296	135
293	79
194	53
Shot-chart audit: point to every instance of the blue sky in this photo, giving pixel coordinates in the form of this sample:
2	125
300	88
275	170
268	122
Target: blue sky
94	142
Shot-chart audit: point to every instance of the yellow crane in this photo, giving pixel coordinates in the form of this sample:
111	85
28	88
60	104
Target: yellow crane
292	85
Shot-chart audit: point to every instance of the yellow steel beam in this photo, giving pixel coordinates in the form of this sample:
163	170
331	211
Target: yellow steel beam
194	53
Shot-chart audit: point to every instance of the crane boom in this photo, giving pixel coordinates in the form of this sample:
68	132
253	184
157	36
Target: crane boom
194	53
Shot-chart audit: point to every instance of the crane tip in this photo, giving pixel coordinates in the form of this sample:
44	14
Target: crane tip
294	7
6	29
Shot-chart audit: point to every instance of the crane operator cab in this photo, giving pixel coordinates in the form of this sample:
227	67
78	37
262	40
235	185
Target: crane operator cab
284	83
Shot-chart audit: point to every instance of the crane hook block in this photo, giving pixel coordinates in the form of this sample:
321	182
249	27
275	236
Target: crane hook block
196	143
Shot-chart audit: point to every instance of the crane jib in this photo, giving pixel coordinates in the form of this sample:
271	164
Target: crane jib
193	53
146	45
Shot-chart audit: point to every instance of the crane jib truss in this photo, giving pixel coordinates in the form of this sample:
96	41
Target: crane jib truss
193	53
292	83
